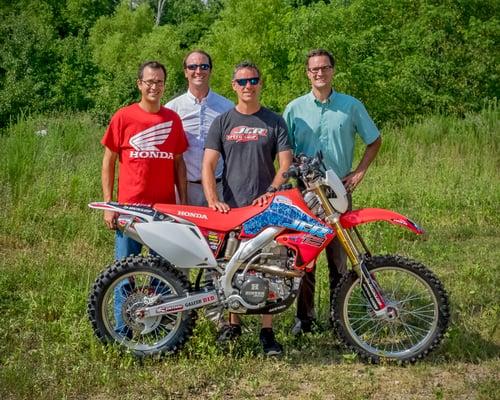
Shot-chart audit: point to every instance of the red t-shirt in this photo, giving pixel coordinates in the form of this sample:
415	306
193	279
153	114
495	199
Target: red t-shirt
146	144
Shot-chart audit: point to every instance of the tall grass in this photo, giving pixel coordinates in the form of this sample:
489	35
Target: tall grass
441	172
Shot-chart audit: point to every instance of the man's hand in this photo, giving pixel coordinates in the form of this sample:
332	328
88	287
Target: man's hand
110	219
263	199
352	180
219	206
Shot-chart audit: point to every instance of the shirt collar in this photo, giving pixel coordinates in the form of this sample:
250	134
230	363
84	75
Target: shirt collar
319	103
195	100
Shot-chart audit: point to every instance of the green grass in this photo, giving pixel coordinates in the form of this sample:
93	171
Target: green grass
442	172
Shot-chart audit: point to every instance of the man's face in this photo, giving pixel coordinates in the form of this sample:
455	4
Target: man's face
196	71
152	84
242	85
320	72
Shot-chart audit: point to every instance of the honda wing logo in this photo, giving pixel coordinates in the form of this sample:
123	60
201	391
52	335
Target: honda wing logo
145	143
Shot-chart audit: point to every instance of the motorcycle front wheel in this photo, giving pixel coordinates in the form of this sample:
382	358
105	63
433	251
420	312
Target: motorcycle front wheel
418	317
128	285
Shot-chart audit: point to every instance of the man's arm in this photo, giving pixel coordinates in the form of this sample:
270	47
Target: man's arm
284	161
181	178
209	164
353	179
108	182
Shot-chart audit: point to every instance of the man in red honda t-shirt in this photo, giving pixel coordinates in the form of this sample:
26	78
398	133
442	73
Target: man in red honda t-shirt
148	140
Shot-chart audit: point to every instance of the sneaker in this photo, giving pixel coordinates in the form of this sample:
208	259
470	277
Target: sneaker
301	326
228	333
269	344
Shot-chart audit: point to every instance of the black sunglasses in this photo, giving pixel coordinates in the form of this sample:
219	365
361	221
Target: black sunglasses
243	81
193	67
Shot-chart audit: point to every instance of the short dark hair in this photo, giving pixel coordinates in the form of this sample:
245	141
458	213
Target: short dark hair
153	65
184	65
320	52
246	64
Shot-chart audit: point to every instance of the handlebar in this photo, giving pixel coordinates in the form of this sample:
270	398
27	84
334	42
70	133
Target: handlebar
306	168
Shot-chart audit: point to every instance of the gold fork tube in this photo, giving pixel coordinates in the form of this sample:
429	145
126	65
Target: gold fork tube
343	234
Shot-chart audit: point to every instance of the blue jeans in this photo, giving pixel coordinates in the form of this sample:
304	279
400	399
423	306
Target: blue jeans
124	247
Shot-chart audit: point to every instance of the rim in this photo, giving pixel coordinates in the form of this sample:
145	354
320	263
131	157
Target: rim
134	290
413	320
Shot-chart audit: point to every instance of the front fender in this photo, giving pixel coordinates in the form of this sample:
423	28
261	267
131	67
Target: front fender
365	215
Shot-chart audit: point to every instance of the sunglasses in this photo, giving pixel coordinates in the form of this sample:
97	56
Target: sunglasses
243	81
194	67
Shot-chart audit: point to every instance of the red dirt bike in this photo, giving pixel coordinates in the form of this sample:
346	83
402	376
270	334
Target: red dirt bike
251	261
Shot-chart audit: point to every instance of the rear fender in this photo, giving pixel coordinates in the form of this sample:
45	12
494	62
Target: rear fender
175	239
365	215
144	212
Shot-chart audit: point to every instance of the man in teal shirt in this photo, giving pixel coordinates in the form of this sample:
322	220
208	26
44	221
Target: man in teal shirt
328	121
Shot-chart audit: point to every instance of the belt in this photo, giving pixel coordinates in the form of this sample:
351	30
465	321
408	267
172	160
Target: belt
217	180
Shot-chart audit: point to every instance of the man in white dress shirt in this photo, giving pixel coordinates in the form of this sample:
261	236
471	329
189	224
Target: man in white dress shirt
197	108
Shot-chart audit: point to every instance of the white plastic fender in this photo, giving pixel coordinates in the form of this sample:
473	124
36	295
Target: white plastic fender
340	203
182	245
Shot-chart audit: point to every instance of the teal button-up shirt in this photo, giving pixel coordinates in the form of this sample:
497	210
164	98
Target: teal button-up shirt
330	127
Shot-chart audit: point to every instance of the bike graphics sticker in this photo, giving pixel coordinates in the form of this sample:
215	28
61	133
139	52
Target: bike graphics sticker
214	239
313	240
281	214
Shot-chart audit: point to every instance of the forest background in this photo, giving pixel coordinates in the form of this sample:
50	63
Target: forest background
428	72
402	58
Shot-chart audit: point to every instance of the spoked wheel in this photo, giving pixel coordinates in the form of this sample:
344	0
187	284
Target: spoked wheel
412	324
133	283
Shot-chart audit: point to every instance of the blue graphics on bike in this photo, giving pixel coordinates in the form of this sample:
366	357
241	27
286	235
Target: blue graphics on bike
283	214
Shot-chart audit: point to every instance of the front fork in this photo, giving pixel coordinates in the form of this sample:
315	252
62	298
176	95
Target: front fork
369	285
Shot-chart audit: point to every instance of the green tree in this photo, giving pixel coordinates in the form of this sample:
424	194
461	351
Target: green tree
45	61
27	52
251	31
120	44
81	15
401	58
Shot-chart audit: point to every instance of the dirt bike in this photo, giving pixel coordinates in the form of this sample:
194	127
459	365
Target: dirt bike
251	261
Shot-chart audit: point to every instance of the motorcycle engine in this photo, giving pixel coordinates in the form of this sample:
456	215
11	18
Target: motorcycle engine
265	278
254	290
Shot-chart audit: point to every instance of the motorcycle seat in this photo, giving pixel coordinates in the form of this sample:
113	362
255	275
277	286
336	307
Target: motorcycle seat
207	218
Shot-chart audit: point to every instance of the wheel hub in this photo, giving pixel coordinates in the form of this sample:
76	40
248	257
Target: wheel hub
390	313
133	317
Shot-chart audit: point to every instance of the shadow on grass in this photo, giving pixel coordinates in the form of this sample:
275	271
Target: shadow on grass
325	348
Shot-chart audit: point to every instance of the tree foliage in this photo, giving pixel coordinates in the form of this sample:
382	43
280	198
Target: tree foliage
402	58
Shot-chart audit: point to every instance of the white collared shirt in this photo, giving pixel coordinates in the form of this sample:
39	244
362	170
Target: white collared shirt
197	116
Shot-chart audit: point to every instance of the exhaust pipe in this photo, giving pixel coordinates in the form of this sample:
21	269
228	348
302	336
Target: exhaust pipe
273	270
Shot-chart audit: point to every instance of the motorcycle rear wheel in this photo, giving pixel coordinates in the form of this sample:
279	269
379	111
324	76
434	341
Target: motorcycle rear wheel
420	318
134	281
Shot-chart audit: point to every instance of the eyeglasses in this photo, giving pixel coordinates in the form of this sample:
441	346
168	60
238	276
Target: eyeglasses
324	68
194	67
243	81
150	84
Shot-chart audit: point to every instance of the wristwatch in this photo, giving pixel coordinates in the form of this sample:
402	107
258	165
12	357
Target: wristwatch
271	189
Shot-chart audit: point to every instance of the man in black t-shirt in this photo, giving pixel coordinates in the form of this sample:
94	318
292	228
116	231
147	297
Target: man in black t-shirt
248	138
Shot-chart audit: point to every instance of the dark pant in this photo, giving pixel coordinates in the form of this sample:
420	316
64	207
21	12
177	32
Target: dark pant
337	266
